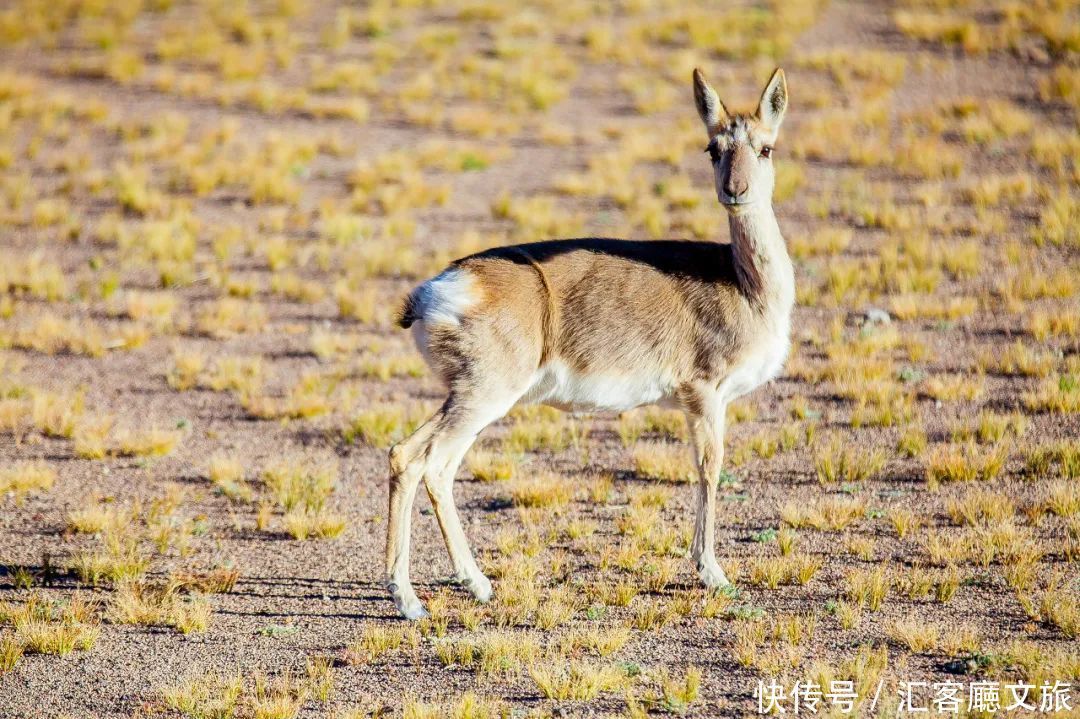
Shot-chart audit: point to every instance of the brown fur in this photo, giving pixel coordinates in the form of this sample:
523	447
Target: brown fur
645	298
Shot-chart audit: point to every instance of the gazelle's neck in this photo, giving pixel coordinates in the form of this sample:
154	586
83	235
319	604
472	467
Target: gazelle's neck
762	265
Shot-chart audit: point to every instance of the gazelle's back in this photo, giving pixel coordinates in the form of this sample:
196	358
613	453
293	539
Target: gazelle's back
587	323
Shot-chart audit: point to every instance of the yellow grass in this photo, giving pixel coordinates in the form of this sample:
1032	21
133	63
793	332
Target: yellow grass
25	478
665	462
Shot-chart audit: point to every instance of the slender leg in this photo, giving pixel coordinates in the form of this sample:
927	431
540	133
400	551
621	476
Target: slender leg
407	460
440	489
707	430
433	454
461	427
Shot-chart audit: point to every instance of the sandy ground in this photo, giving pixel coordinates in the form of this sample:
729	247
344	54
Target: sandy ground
327	591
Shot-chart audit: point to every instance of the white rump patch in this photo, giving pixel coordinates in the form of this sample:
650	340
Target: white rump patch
445	298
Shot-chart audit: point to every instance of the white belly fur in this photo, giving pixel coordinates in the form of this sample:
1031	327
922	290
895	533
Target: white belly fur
558	385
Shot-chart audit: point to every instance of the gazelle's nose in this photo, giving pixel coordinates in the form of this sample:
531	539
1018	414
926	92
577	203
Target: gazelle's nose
735	187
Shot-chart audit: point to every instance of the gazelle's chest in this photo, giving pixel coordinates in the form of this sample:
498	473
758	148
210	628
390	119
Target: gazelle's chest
762	362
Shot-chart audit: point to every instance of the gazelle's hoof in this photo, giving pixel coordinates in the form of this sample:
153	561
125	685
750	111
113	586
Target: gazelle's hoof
480	588
407	603
413	610
713	576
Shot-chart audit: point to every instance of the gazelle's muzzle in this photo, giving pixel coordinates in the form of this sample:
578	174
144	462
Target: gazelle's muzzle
735	175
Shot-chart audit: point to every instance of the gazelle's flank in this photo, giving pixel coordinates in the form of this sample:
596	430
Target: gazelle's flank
604	324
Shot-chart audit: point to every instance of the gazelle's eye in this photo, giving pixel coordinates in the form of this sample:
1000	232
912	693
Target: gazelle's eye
714	151
766	151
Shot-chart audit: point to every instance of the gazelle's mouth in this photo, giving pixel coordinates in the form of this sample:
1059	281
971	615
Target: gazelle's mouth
729	201
737	207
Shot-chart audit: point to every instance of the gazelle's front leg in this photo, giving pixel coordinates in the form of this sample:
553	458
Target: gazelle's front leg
706	421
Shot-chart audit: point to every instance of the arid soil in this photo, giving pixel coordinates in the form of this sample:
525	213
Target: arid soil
186	188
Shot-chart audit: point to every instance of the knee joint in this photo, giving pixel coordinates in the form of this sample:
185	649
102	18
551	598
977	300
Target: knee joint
398	460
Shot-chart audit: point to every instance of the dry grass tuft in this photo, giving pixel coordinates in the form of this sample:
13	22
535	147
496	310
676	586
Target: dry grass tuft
577	681
840	461
24	478
664	462
545	491
964	463
491	466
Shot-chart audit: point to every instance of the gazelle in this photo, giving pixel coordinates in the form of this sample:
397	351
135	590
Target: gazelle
599	324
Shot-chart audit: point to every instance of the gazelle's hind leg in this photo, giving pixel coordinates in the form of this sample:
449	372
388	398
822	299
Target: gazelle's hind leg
705	416
433	453
460	433
406	471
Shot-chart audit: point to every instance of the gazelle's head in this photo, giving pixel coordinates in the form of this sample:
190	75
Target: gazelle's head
741	146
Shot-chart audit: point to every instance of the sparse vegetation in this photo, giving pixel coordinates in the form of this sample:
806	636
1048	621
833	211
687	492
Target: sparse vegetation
210	214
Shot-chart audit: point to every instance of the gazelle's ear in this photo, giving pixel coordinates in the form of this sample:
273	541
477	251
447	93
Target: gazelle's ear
712	111
774	101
